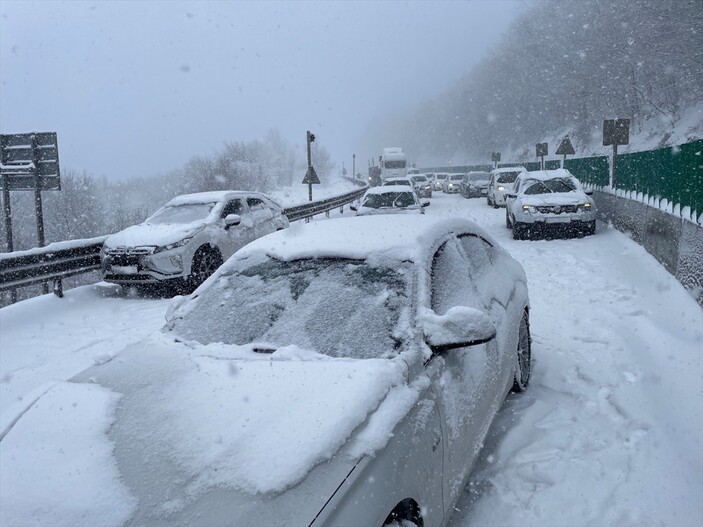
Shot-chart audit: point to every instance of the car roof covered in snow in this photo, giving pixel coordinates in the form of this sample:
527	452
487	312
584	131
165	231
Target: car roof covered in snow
549	174
209	197
400	238
508	169
389	189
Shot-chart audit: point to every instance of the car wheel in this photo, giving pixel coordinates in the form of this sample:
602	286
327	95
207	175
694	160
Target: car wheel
205	262
508	223
523	365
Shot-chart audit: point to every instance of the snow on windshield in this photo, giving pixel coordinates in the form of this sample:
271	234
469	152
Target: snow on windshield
548	186
184	214
508	177
342	308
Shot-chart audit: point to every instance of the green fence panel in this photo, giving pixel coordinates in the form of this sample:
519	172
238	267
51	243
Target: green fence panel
593	171
672	173
552	164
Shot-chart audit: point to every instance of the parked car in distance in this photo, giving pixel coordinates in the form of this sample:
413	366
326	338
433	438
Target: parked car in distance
500	182
452	185
187	239
344	372
475	184
439	180
392	199
549	200
422	185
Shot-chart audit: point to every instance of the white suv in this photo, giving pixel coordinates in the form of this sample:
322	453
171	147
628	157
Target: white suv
187	239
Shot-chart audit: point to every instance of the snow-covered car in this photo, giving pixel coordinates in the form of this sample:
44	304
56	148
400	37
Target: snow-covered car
392	181
393	199
439	180
422	185
338	373
187	239
501	181
549	199
452	185
475	184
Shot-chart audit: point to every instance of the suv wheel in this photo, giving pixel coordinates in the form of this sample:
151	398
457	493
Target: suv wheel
205	262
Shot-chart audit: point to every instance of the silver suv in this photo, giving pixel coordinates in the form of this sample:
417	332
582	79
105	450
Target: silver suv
187	239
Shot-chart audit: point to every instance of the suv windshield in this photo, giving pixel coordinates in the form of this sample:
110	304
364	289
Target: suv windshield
181	213
419	179
479	176
551	185
396	182
456	177
342	308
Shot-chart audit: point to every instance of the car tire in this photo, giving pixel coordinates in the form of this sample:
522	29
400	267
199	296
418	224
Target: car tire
508	223
523	363
205	262
520	231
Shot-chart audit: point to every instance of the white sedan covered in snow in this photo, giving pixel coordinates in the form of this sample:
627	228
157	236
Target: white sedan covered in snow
187	239
390	199
342	373
551	200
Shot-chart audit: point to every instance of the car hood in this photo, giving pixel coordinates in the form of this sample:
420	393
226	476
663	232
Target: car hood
479	183
203	435
555	198
153	234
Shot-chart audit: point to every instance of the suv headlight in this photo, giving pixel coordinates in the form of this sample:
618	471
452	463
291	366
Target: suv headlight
501	188
529	209
174	245
586	207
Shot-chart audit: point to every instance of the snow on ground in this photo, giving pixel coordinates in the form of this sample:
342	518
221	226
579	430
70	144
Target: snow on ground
610	431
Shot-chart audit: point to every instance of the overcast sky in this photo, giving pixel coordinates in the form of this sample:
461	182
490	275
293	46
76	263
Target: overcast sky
137	88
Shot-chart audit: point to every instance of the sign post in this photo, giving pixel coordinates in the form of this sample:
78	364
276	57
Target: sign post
565	148
28	162
495	157
310	177
542	150
354	166
616	132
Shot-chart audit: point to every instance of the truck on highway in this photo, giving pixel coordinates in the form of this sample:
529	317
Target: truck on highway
393	163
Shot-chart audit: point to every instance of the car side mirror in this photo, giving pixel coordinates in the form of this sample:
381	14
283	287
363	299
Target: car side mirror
588	192
425	204
459	327
510	195
232	220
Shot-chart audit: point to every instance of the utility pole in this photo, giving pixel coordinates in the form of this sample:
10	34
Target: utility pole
310	177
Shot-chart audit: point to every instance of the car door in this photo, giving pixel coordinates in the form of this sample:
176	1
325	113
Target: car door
237	236
461	378
495	291
261	215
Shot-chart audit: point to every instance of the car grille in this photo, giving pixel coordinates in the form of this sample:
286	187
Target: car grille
557	209
130	250
124	259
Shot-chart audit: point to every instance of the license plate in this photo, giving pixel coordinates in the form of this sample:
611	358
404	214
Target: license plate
124	269
559	220
484	191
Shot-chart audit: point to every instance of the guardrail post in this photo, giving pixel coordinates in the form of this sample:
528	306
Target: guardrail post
58	287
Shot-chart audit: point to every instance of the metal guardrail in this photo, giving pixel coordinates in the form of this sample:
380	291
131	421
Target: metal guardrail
63	259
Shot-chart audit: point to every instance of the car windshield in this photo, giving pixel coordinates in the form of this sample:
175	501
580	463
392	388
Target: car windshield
339	307
548	186
181	214
396	182
420	179
480	176
389	199
456	177
441	176
508	177
394	164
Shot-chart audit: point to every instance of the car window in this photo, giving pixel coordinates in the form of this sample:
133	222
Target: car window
234	206
478	252
550	185
451	281
255	204
339	307
508	177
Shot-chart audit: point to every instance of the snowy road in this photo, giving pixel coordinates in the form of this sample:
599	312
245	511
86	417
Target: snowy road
609	433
